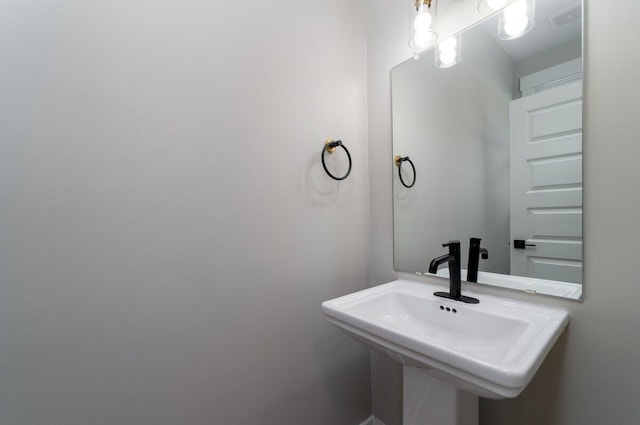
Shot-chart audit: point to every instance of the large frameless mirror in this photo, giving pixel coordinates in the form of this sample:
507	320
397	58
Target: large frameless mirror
496	142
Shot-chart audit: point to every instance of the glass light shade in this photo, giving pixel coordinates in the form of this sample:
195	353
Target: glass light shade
449	44
423	19
447	52
490	6
495	4
515	27
516	20
419	41
515	10
421	36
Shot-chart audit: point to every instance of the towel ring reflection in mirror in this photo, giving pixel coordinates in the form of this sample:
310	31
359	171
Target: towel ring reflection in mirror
399	160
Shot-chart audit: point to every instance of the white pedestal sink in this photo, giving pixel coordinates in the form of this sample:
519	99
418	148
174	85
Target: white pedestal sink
452	352
430	401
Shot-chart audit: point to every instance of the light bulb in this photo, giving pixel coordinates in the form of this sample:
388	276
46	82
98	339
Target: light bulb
516	26
517	19
448	57
449	44
422	39
495	4
515	10
422	21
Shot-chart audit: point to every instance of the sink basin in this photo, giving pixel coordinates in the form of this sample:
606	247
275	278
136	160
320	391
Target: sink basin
491	349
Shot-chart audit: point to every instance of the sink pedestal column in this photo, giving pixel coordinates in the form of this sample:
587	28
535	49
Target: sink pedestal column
430	401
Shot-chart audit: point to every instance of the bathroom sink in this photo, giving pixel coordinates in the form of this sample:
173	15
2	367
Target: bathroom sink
491	349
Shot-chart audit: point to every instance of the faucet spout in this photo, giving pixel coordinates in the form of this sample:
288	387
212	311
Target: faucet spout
455	286
453	258
435	263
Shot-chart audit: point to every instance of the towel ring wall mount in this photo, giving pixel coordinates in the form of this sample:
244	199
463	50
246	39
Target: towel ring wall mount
330	146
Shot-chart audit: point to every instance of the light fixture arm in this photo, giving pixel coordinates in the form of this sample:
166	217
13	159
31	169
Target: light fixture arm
421	2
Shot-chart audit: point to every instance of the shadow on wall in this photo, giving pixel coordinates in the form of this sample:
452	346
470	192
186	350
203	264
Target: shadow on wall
321	189
403	197
387	388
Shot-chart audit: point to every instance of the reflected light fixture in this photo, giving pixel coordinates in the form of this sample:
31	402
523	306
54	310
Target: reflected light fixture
448	52
490	6
495	4
422	36
517	19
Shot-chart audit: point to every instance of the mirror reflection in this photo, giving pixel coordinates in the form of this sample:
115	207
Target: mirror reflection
496	142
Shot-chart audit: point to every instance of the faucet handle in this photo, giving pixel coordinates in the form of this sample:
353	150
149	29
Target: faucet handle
454	249
451	243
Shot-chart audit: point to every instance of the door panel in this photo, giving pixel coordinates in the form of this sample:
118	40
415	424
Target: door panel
546	183
555	119
554	269
555	223
559	171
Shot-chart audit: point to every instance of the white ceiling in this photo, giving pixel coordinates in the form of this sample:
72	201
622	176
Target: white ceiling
542	36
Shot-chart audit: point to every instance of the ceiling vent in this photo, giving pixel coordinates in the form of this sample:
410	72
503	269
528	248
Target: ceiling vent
565	17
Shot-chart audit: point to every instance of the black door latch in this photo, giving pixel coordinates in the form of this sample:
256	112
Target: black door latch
520	244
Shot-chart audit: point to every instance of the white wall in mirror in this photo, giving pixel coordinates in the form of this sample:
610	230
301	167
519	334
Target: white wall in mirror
454	125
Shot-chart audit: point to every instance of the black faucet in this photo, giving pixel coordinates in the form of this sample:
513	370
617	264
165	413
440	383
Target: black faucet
475	251
453	259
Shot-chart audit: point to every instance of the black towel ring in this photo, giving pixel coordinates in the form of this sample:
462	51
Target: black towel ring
399	160
330	146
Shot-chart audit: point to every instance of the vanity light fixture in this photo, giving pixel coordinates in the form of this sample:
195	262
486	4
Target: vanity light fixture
422	36
490	6
448	52
495	4
517	19
422	21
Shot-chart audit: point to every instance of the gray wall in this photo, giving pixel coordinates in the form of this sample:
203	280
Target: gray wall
167	231
592	375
